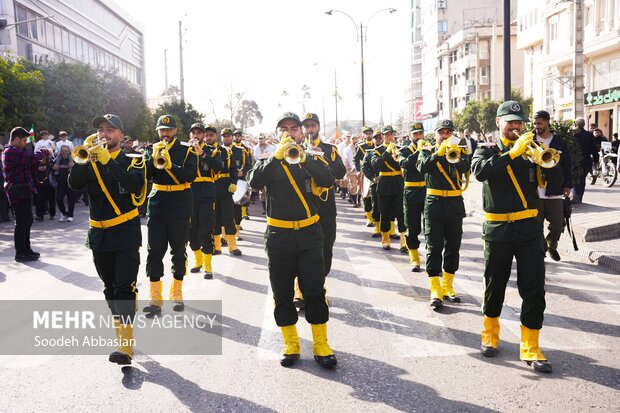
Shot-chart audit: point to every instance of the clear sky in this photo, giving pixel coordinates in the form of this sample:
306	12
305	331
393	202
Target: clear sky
261	48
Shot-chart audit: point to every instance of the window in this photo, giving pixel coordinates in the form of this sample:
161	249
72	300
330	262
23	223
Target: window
442	26
484	49
21	15
65	41
57	38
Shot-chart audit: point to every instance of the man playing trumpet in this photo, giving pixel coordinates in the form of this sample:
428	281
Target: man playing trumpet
512	230
444	211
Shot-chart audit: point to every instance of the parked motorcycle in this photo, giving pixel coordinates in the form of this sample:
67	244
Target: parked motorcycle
606	168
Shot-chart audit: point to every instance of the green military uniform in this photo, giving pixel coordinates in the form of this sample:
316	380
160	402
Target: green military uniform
511	229
358	158
224	205
169	211
372	176
115	190
242	211
243	162
202	227
327	208
413	196
444	211
294	245
389	189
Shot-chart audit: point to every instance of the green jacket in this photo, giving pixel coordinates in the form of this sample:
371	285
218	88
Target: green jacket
408	157
120	180
360	152
283	202
383	161
209	165
335	164
173	204
442	207
229	158
499	194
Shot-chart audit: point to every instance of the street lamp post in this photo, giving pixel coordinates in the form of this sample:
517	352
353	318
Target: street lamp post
361	39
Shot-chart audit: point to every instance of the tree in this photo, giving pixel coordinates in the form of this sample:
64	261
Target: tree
73	95
21	94
486	115
468	118
126	101
233	103
183	112
248	114
305	95
526	103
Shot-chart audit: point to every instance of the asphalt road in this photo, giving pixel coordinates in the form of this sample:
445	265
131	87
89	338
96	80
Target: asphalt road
394	352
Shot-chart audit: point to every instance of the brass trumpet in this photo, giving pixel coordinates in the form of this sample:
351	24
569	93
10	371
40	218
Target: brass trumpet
535	153
292	153
453	155
83	154
160	156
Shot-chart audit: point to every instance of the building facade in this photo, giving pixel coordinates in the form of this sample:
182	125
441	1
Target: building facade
457	56
547	33
94	32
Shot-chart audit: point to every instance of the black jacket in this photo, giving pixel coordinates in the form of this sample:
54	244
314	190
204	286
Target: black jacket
566	166
586	143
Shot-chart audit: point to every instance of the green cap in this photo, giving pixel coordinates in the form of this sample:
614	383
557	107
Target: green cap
387	129
376	133
289	116
166	122
511	110
444	124
113	120
311	116
366	129
210	128
197	125
226	131
238	132
417	127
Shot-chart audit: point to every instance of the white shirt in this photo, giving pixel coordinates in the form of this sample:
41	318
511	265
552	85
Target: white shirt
61	143
257	151
341	146
45	143
541	191
347	157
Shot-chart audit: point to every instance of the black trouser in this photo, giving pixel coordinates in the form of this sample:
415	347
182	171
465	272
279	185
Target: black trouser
142	208
580	186
367	203
328	224
61	191
23	222
391	207
552	210
45	200
119	272
224	215
164	232
413	220
374	198
530	279
4	205
443	237
307	265
238	217
202	226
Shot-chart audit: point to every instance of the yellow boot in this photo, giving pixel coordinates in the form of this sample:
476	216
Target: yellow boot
490	336
448	290
436	292
414	260
530	352
232	245
290	352
206	266
298	299
323	354
238	233
377	232
156	299
385	241
176	294
124	349
369	220
244	212
198	257
217	244
403	243
393	233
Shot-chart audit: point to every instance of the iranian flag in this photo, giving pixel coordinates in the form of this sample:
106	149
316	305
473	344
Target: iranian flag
31	135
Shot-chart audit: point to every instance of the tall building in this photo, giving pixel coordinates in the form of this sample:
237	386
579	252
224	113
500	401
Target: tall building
95	32
457	56
546	33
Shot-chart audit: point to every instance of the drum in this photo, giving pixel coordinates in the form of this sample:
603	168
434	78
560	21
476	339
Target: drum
243	193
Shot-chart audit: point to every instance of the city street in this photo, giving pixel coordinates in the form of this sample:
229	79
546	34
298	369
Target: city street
394	352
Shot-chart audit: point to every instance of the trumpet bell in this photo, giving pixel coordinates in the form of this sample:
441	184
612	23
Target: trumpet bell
453	155
80	155
546	158
292	153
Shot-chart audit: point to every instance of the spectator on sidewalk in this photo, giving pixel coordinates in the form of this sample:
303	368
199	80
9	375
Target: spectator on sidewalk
585	140
45	198
19	164
4	201
45	142
550	207
614	143
62	135
598	138
61	172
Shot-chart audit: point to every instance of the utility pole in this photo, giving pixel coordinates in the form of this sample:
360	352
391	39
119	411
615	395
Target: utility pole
181	61
506	50
362	65
578	61
336	97
166	69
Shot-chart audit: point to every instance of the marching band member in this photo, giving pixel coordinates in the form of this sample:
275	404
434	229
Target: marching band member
116	186
294	239
172	168
360	152
241	211
414	193
373	178
203	191
512	229
444	211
